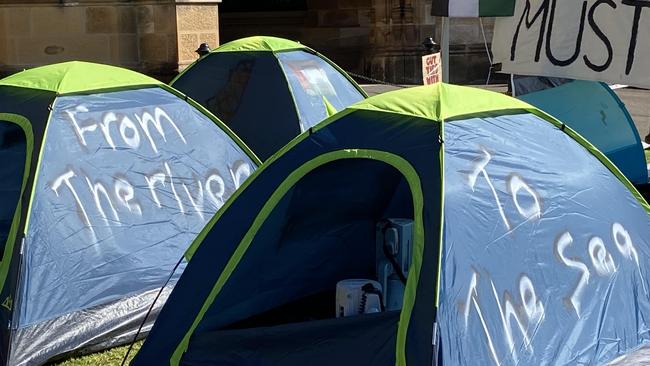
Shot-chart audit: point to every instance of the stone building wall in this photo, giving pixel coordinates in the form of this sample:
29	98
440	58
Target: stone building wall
381	39
196	23
152	36
395	44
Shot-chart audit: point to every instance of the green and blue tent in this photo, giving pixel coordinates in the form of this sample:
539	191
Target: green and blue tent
107	176
268	90
595	112
529	246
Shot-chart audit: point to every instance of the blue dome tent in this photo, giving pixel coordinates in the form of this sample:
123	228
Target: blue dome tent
527	245
107	176
267	89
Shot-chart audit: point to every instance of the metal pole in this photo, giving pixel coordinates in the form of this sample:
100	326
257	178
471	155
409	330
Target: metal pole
445	49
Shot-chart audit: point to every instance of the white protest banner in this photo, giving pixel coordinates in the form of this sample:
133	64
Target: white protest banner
431	69
602	40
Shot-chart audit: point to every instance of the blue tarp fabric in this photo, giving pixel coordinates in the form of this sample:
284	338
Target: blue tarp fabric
117	178
542	255
540	266
126	181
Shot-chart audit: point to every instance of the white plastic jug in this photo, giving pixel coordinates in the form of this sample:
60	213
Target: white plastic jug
351	299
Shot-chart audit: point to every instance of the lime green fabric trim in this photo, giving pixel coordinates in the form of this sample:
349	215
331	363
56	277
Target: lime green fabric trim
216	121
39	163
15	223
189	253
270	44
439	102
76	77
414	274
329	107
260	43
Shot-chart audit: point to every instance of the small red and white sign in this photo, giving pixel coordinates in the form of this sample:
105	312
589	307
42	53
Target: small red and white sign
431	69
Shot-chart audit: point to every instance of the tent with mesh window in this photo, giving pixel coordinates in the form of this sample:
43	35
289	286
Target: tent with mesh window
107	176
529	246
268	90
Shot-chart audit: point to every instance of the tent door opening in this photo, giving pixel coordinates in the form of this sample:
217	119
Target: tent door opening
327	228
13	150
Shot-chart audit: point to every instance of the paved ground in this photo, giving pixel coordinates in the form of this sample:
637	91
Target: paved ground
637	102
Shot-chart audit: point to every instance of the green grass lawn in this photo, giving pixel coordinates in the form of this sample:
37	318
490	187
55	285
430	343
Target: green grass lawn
647	156
110	357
